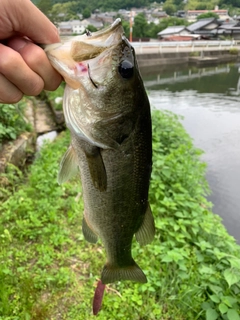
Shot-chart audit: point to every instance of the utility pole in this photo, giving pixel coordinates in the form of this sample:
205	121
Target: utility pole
131	24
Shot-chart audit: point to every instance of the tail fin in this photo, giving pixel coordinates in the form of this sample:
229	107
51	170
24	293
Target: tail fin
113	273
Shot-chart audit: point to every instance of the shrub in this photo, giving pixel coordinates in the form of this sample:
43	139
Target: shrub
233	51
12	121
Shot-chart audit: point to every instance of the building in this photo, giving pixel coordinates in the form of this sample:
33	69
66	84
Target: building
70	27
65	28
173	31
229	29
191	15
77	27
204	27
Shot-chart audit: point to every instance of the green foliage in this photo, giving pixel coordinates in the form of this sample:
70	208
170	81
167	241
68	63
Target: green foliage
68	9
91	28
233	51
86	13
48	269
142	29
169	7
207	15
140	25
12	121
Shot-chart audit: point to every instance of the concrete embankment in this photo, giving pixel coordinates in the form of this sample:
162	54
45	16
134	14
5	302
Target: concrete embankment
201	57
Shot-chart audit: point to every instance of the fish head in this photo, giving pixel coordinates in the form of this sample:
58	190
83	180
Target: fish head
104	88
103	60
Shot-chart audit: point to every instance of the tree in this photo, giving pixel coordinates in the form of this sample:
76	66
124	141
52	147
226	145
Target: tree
86	13
45	6
169	7
140	26
91	28
67	11
207	15
126	28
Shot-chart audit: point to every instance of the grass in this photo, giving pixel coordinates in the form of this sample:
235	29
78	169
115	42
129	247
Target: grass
48	271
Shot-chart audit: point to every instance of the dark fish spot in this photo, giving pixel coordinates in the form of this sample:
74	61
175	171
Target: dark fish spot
125	69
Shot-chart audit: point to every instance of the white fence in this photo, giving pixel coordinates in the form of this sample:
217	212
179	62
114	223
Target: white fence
176	46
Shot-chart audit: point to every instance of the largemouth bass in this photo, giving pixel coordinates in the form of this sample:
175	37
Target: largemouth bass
107	112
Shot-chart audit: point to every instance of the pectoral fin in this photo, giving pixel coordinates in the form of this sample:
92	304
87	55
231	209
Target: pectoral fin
89	235
68	166
96	168
146	232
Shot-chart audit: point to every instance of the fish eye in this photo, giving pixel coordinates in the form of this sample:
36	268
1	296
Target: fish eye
126	69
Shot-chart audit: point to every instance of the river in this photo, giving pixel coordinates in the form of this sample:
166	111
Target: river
209	100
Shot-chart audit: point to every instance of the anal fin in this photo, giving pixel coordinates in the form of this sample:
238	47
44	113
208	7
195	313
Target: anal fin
89	235
68	166
146	232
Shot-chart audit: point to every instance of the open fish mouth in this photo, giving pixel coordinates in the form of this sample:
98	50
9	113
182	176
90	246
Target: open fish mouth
71	58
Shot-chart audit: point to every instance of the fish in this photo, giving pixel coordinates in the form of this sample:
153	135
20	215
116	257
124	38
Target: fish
107	111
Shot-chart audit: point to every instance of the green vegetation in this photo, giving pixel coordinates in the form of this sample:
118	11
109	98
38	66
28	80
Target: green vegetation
12	121
48	269
208	15
170	6
233	51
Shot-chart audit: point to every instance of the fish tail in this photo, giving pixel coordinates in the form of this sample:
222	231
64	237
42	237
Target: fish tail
132	272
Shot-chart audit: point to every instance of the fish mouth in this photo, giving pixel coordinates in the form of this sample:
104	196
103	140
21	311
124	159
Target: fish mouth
74	58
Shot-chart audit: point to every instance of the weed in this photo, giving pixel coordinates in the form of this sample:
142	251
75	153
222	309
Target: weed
12	121
48	271
233	51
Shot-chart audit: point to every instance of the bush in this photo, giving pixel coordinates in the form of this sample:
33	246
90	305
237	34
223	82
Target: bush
12	121
233	51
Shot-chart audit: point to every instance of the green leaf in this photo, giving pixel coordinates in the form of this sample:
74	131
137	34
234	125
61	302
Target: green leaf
211	314
231	276
235	263
214	298
233	315
223	308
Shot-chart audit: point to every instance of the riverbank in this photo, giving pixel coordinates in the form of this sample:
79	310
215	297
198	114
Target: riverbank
49	271
198	57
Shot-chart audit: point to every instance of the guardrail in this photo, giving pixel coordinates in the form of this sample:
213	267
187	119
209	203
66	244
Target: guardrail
176	46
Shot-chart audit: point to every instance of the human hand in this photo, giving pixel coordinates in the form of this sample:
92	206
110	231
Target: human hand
24	66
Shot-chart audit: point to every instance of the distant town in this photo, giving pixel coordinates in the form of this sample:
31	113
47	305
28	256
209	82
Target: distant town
218	25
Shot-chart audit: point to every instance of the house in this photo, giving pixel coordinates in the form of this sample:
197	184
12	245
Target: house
192	15
231	29
65	28
159	14
173	31
93	22
77	26
70	27
105	18
204	27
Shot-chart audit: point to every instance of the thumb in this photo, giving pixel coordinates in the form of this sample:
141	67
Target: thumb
29	21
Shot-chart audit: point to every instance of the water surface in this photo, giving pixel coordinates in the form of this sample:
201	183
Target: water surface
209	100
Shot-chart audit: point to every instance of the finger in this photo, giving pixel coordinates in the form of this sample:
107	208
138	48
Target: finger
9	93
37	60
15	70
28	20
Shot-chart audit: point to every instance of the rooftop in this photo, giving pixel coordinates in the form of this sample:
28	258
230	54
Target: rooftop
200	23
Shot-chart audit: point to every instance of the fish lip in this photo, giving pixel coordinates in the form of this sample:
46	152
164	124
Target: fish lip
91	79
